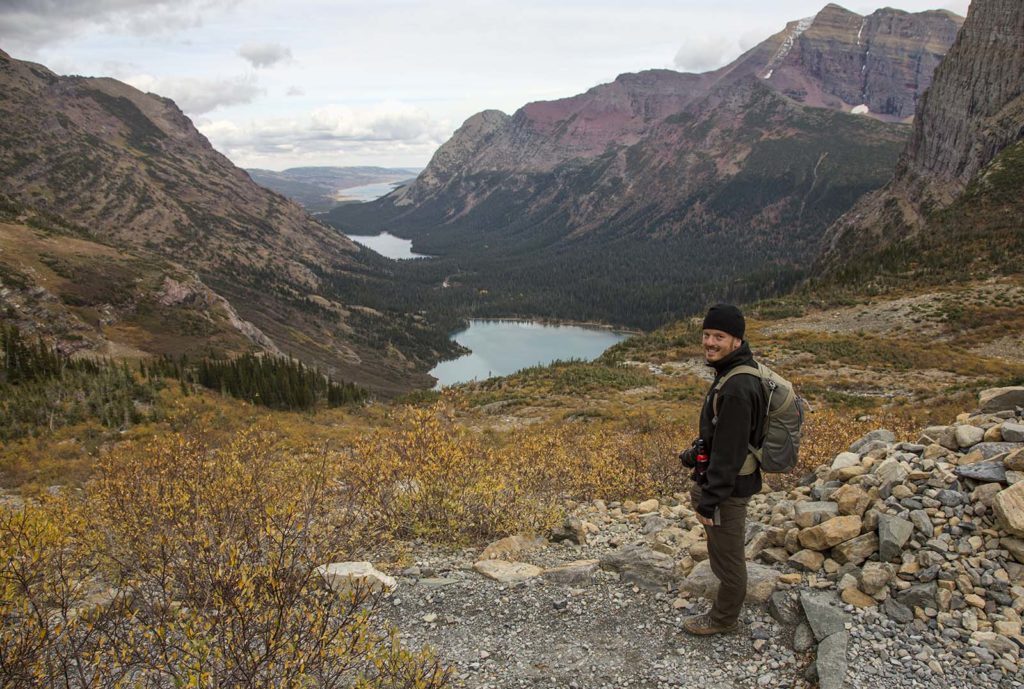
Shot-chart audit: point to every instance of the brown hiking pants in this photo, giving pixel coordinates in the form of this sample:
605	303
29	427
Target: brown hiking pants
728	558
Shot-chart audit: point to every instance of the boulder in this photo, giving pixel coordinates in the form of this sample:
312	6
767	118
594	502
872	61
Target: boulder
990	450
1013	432
919	595
968	436
699	551
575	573
922	522
852	499
642	566
844	460
1015	460
830	533
651	505
808	560
571	530
810	513
893	534
983	472
831	661
349	577
803	638
506	572
784	608
874	577
822	614
854	596
856	550
761	582
938	436
1015	547
510	547
1001	399
891	471
881	435
1008	504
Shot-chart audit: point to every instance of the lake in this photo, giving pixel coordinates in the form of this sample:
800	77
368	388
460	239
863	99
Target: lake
366	192
504	347
388	245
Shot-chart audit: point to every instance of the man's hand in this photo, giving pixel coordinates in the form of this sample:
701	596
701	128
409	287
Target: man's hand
704	520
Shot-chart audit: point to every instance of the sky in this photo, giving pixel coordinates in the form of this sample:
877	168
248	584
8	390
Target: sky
276	84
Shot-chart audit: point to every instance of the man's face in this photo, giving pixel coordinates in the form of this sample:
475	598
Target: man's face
718	345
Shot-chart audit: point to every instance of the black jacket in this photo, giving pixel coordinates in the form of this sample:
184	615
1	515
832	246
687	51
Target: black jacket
741	418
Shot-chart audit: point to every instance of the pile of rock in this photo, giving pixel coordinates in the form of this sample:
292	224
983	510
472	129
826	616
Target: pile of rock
927	532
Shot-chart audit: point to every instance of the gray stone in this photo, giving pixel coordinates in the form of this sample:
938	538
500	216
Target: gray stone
891	470
1001	399
950	498
822	614
883	435
898	611
1013	432
810	513
803	638
784	608
642	566
983	472
990	450
570	530
831	662
893	534
919	595
968	436
761	582
923	522
844	460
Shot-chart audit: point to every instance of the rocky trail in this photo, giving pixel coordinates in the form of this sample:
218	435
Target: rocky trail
900	564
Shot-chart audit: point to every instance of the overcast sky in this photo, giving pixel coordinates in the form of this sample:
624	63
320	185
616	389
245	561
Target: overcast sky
332	82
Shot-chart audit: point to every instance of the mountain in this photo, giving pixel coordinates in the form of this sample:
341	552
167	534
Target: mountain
605	205
122	169
957	194
319	189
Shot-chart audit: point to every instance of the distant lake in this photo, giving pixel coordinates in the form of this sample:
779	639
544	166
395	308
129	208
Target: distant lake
367	192
504	347
388	245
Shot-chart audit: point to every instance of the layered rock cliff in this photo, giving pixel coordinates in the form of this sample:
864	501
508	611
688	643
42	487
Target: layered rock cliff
964	135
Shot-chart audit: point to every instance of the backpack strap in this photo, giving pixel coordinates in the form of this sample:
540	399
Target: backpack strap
753	458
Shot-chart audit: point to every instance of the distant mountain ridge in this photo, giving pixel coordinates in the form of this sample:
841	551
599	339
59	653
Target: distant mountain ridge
129	170
317	187
662	167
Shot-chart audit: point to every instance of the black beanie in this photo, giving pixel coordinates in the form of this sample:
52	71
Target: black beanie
727	318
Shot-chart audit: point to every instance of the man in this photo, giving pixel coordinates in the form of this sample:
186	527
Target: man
723	485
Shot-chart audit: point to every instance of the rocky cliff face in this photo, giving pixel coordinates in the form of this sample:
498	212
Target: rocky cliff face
129	170
879	64
973	112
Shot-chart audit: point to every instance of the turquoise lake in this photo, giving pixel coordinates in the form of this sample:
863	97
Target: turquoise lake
503	347
388	245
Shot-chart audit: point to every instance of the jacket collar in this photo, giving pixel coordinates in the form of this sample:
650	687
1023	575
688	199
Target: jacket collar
740	357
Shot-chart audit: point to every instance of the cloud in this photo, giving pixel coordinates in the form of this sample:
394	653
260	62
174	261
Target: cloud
703	53
34	23
200	96
295	91
386	131
261	55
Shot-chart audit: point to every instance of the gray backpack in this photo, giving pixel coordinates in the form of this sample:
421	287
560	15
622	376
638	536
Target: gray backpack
785	416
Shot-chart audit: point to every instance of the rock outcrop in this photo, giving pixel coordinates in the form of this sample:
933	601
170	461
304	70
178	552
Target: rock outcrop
973	111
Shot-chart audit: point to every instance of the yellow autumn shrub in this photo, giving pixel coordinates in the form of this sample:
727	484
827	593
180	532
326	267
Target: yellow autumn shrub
196	565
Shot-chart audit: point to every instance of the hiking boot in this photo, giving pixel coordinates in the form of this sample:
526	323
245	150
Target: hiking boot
702	625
